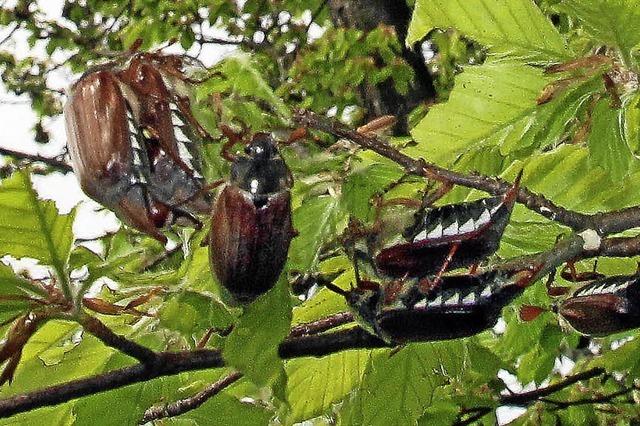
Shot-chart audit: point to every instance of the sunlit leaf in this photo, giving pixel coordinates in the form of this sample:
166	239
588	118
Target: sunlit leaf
510	27
32	227
614	22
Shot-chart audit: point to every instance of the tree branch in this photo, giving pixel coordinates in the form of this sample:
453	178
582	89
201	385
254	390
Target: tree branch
604	223
527	398
169	363
109	338
328	343
321	325
182	406
52	162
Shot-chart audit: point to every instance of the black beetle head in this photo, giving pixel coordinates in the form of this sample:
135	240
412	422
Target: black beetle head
262	172
261	147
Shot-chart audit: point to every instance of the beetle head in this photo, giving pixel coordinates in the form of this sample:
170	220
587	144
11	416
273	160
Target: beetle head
262	172
261	148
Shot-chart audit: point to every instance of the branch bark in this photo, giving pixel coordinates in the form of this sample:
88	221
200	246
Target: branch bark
109	338
182	406
52	162
604	223
169	363
527	398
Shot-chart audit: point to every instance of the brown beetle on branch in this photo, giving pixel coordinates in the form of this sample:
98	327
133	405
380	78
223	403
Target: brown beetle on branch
126	125
604	306
251	226
463	305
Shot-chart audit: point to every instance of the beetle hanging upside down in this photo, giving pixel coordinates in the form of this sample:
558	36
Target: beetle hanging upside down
251	226
602	307
462	306
449	237
126	127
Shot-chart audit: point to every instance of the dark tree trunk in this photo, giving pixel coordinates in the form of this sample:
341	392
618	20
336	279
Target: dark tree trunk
383	98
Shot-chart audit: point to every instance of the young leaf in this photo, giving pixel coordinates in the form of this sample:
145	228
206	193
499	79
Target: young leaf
607	146
314	385
486	105
252	346
30	227
316	221
509	27
613	22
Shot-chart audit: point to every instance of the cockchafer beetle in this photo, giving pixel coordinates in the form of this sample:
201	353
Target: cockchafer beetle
463	305
251	226
603	306
125	127
449	237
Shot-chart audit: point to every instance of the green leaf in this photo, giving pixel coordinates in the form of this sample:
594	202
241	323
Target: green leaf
224	409
362	184
316	221
607	146
190	312
486	104
315	384
614	22
13	285
33	228
396	389
245	79
508	27
252	346
622	359
60	415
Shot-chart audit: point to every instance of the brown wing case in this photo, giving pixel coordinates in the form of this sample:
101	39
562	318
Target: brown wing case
249	244
97	133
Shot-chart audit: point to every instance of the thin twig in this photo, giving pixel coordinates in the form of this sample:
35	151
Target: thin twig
477	414
526	398
8	36
54	163
109	338
182	406
321	325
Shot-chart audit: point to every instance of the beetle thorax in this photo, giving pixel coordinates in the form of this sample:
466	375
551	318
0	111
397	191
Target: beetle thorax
261	172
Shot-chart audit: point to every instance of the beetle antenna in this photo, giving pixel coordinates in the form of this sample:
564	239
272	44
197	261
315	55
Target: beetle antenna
336	289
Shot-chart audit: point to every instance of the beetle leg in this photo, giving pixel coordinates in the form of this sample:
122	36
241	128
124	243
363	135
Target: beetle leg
555	290
232	139
445	265
222	332
179	213
431	197
208	187
184	106
571	268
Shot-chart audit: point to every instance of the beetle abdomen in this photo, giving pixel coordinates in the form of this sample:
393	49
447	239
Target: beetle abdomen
249	244
476	227
464	305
